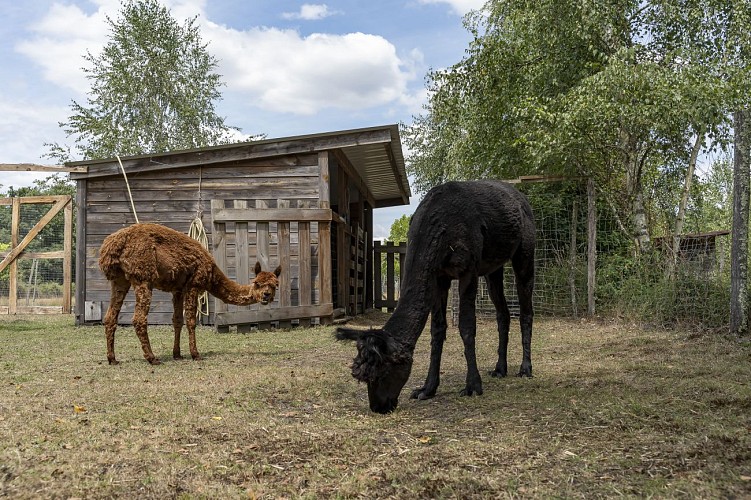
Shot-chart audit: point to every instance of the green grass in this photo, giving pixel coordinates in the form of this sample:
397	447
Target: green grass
613	410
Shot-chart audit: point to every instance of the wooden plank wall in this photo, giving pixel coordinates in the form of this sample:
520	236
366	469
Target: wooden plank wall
284	232
173	198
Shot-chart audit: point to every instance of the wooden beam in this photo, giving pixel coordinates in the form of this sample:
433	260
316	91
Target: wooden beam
58	254
272	214
324	183
25	200
240	152
397	174
273	314
31	167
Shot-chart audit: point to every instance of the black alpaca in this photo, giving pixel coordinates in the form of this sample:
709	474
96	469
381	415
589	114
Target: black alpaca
460	230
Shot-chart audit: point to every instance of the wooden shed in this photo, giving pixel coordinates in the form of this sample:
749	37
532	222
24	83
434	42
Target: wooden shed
304	202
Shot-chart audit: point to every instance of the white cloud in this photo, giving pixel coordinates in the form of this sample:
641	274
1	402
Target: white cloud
26	125
310	12
286	72
460	7
278	70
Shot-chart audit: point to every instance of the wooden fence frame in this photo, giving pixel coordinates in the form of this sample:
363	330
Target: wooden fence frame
263	217
17	250
390	249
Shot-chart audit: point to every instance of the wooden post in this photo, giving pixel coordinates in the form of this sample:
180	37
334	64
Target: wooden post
324	266
377	280
369	254
390	275
219	245
591	246
67	256
242	255
262	239
13	284
285	279
324	234
324	183
81	244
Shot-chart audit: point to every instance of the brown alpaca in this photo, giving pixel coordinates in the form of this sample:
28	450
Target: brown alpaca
148	256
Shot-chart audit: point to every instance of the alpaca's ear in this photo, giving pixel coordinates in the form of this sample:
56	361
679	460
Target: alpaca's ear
373	352
349	334
278	271
257	269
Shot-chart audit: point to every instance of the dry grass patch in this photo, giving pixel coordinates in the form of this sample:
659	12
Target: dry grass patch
613	410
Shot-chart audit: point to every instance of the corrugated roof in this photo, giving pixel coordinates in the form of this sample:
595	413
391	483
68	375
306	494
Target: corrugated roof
375	152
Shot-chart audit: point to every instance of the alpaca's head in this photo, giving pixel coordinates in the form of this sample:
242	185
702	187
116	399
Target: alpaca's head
264	285
382	363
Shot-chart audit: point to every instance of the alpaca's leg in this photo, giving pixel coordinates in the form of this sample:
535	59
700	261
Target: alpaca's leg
525	282
468	330
503	318
177	322
141	320
119	289
438	327
191	307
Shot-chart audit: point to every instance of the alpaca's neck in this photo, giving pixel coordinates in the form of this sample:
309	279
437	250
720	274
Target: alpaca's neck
227	290
415	301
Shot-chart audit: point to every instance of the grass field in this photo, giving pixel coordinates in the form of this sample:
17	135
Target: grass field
613	410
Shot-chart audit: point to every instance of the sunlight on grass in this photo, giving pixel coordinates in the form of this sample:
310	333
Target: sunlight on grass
613	410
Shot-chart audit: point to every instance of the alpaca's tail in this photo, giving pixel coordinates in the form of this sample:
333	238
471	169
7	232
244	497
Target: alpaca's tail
109	255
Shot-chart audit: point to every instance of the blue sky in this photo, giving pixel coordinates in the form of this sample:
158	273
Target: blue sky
289	67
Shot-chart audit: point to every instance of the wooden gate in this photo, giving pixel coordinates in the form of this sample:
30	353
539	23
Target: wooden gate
17	250
298	239
387	252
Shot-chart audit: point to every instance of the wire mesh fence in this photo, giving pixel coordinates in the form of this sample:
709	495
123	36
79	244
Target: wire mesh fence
664	287
36	280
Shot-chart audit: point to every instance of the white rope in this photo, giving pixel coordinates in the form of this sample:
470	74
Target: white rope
130	195
198	232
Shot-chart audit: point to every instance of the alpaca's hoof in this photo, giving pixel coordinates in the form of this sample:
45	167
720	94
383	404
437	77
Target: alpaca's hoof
499	373
197	357
154	361
525	371
177	356
113	361
471	391
422	394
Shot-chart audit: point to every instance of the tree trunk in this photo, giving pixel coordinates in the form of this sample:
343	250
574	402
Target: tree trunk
634	191
739	240
681	217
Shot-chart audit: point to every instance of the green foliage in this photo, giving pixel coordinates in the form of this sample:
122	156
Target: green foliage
153	89
618	93
399	229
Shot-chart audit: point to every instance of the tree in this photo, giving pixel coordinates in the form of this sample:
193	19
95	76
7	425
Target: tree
399	229
153	89
616	93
